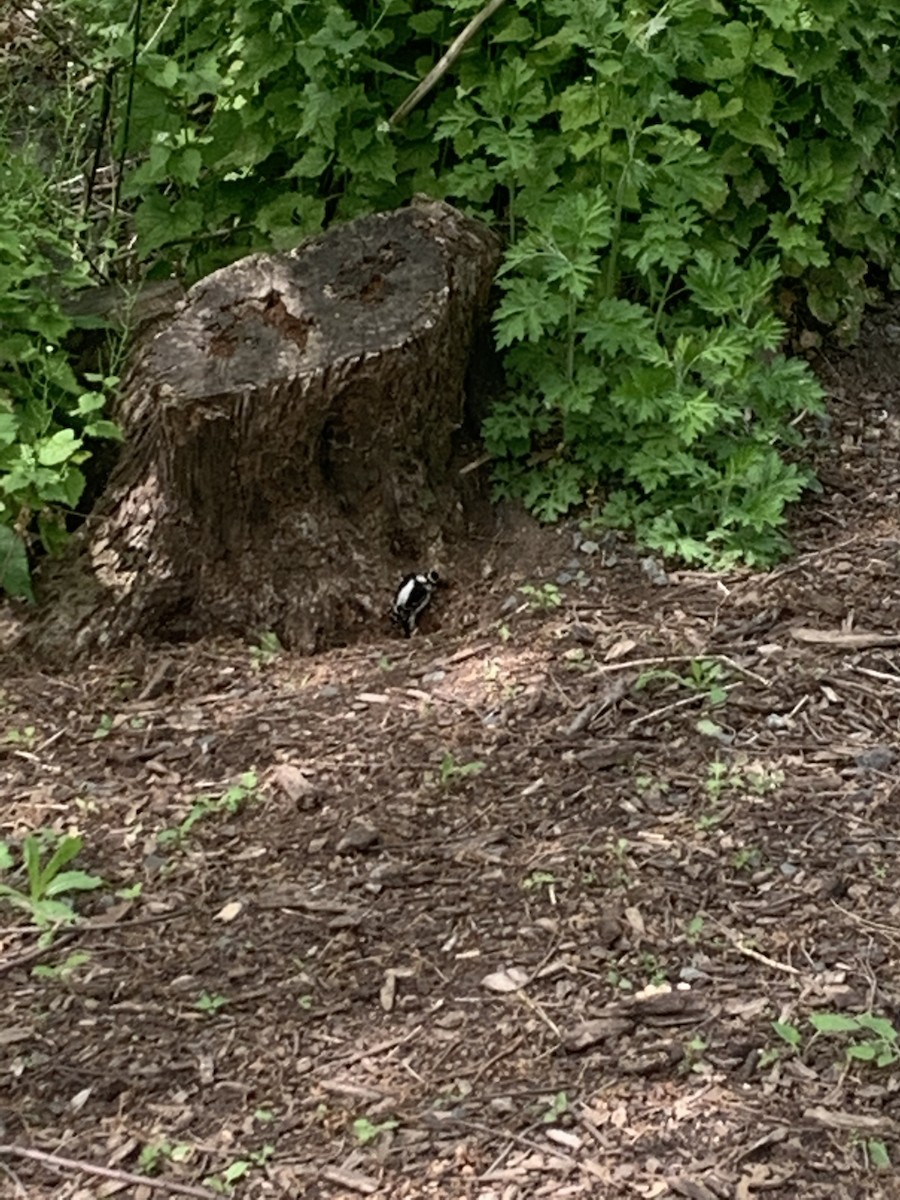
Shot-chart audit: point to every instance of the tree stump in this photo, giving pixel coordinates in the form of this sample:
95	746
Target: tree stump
288	442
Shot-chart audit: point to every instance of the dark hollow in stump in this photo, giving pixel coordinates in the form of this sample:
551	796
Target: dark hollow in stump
288	442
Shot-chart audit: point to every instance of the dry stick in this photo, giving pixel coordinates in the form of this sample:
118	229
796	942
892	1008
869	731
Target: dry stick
456	48
88	1168
659	712
738	945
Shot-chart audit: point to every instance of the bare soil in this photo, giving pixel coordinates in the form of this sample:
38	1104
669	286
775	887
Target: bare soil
510	909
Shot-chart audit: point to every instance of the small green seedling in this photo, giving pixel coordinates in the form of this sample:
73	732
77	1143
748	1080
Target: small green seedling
155	1153
210	1004
209	805
62	971
104	728
46	900
558	1107
365	1131
539	879
542	598
223	1183
450	769
267	649
877	1154
747	858
703	676
695	928
20	737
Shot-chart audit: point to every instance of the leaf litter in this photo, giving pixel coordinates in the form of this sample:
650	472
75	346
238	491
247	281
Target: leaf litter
514	909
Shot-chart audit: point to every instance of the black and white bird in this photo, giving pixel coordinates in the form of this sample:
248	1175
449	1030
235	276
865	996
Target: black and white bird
412	598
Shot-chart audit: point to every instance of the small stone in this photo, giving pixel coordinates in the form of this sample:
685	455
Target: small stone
879	758
589	547
360	836
654	572
779	721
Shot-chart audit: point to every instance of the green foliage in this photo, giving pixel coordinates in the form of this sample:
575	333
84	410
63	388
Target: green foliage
46	897
64	970
557	1107
210	1003
366	1131
544	597
153	1154
704	676
50	419
267	649
206	805
450	769
656	175
866	1038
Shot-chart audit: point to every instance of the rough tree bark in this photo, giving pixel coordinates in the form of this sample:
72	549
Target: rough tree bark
288	439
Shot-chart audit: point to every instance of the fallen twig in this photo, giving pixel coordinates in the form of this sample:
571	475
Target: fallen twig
89	1168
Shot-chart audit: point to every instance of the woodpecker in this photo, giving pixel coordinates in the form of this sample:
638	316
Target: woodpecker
412	598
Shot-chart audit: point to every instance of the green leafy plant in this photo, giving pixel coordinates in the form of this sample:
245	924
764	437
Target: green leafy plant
223	1183
153	1154
207	805
545	596
694	928
62	971
366	1131
266	650
866	1037
703	676
104	727
747	858
539	879
557	1107
210	1003
20	737
450	769
877	1154
46	899
50	419
662	180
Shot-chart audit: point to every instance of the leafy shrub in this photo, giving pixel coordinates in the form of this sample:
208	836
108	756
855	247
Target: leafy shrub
47	416
657	171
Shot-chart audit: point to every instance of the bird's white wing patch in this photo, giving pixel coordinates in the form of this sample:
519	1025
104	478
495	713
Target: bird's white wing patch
405	594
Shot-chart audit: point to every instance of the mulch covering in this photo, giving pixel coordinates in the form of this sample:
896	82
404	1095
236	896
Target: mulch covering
512	907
